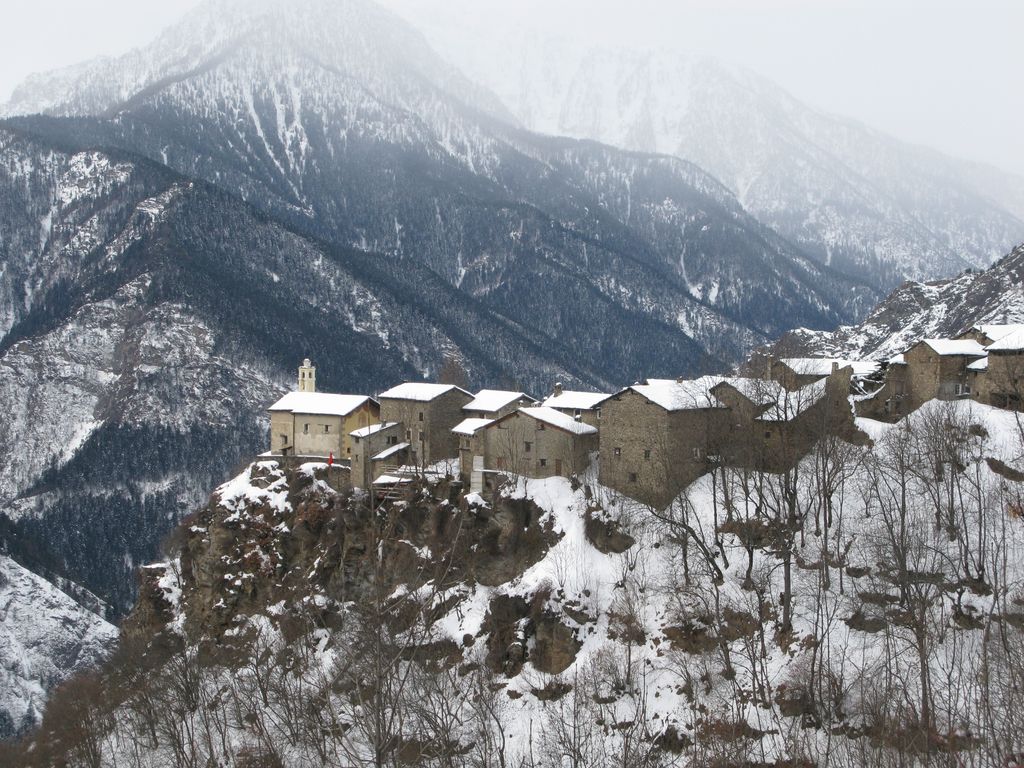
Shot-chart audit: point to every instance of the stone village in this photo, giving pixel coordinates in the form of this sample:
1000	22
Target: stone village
654	437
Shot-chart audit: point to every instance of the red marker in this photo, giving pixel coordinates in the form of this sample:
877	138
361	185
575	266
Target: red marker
330	460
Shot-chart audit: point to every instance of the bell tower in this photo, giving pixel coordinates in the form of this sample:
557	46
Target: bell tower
307	376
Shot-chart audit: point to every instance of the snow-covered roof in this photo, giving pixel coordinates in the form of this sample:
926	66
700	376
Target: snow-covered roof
492	400
680	395
758	391
373	429
558	419
822	366
470	426
390	451
577	401
955	347
321	403
791	404
981	364
1011	342
422	391
997	331
899	359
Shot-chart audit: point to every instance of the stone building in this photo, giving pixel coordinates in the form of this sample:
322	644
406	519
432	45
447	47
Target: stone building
797	372
931	369
311	423
374	447
495	403
999	377
656	437
584	406
536	442
988	333
774	429
426	412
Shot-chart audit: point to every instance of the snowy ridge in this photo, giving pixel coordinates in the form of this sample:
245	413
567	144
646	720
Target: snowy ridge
915	311
45	637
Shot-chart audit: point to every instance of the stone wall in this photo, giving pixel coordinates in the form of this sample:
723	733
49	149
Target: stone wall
651	454
1002	384
532	448
427	425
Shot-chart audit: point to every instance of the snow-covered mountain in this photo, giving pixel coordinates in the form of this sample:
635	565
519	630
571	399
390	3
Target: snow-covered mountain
940	308
853	197
339	120
45	637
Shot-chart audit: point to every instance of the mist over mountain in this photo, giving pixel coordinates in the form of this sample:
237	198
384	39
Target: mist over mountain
854	198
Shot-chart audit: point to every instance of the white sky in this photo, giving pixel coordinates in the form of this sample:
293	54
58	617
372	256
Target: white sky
946	73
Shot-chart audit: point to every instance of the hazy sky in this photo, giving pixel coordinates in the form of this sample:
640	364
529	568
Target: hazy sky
946	73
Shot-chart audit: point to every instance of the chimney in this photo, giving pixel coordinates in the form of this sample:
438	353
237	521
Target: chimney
307	376
558	389
835	366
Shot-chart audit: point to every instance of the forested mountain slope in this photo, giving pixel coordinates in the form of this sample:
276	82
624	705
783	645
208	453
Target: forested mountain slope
323	116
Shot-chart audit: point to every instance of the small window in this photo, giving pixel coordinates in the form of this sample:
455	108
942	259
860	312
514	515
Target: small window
305	429
540	426
632	477
421	436
696	453
647	453
767	434
527	446
284	440
393	440
617	451
327	429
421	415
543	462
408	435
576	413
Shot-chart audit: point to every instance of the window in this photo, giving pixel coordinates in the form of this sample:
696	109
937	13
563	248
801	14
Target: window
540	426
305	429
527	446
543	462
327	429
767	434
647	453
408	435
696	453
617	451
421	415
284	440
421	436
392	439
632	477
576	413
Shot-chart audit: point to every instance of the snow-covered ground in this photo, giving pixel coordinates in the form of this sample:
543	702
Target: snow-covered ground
676	634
